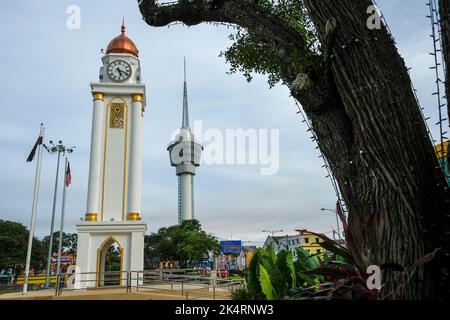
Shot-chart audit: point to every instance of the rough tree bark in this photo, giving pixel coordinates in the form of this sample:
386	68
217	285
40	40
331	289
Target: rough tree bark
369	128
444	13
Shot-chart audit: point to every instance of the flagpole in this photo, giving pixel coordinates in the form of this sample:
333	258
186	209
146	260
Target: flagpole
61	229
52	226
33	211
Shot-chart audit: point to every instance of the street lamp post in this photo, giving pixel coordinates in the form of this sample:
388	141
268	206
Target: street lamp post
337	220
272	232
52	149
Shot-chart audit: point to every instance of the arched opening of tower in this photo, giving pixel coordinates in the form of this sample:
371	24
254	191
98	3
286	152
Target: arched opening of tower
110	263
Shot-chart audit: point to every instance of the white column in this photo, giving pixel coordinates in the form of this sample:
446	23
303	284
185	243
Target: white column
134	174
186	196
83	256
137	255
98	116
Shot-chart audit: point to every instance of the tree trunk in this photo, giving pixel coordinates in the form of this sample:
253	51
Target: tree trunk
370	129
444	13
392	175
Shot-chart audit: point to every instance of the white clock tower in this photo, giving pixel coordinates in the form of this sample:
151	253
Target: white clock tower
114	189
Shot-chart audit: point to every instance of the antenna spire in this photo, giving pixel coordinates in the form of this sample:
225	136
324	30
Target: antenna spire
184	69
185	122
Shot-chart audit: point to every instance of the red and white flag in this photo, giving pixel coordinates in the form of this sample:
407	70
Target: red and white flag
68	178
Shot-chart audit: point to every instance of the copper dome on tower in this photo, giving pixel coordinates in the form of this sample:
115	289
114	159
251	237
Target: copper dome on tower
122	44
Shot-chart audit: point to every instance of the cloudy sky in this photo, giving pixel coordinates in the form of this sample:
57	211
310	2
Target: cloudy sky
45	73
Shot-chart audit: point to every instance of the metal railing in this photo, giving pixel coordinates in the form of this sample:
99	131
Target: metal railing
91	280
186	283
187	286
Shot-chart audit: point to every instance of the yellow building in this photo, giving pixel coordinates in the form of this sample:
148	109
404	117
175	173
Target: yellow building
441	153
310	242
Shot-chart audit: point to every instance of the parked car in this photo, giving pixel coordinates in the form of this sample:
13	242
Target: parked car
6	277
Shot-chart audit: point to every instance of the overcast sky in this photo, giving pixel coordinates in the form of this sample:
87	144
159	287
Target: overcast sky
45	74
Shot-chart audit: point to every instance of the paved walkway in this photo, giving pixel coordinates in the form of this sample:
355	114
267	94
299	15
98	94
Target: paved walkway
155	292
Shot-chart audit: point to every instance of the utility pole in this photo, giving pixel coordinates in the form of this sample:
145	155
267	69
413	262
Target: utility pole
337	220
52	149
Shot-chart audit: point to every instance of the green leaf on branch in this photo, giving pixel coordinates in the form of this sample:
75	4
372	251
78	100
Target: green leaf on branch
249	54
266	285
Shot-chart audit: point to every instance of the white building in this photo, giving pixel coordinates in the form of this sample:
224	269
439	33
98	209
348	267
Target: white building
114	189
185	155
287	243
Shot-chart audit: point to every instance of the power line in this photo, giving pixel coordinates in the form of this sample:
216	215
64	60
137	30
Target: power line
326	165
437	67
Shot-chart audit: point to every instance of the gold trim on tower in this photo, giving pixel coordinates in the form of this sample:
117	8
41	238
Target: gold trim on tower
98	96
90	217
108	107
133	216
125	154
137	97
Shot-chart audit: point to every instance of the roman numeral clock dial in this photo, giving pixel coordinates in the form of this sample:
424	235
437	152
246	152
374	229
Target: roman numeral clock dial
119	70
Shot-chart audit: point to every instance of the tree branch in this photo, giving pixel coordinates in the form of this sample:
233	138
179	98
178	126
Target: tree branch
245	13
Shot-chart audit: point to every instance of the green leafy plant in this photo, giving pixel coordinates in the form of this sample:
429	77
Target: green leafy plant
341	276
274	276
241	294
345	271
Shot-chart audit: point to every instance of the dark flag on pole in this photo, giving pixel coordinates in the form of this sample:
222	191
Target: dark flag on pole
33	151
68	177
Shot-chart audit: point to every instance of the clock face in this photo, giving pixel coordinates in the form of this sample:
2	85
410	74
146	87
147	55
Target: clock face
119	70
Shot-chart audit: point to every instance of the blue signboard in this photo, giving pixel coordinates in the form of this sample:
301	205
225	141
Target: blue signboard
231	246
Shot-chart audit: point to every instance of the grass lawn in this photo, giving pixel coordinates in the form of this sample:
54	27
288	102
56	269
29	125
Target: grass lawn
17	288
